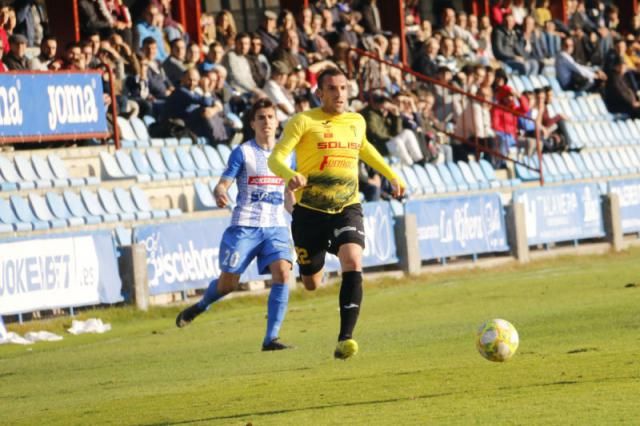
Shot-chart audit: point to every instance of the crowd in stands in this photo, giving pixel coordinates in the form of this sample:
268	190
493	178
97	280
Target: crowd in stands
162	73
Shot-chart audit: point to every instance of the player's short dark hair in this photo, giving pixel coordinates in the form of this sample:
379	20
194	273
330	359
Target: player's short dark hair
328	72
258	105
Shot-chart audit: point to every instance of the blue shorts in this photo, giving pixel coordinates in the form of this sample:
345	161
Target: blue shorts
240	244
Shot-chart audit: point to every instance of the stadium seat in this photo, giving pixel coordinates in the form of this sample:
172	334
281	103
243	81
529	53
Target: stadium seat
93	206
142	165
438	182
60	172
128	169
622	162
616	169
24	214
42	212
185	142
10	174
572	167
224	151
480	176
427	186
561	166
158	165
397	208
126	130
157	142
44	172
110	167
8	217
148	120
201	162
173	165
629	153
585	164
410	177
460	177
187	163
469	176
7	186
77	208
60	210
214	159
490	174
142	203
140	129
448	179
125	201
26	172
592	160
204	197
550	170
111	206
574	138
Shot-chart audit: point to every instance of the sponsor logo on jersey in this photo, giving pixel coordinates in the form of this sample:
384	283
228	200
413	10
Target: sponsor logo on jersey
337	161
338	145
265	180
275	197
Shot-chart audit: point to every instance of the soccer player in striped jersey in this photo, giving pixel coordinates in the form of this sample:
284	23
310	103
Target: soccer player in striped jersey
328	142
258	226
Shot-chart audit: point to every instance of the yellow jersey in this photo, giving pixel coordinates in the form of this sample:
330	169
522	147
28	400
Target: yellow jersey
327	149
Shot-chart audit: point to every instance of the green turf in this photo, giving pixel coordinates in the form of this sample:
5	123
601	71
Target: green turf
578	361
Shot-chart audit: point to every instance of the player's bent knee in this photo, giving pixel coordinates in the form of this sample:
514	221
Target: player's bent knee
311	282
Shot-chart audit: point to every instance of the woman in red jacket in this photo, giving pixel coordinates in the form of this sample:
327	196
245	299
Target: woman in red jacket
505	123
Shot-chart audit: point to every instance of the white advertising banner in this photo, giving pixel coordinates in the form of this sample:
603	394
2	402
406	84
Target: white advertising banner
48	273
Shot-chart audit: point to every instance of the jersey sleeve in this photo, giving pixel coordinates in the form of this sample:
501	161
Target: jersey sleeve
234	165
291	135
370	155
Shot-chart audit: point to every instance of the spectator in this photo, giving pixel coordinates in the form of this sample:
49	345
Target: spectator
498	10
90	60
226	29
552	40
159	85
192	57
474	126
121	18
214	58
508	49
150	27
437	141
268	32
4	37
426	64
46	60
3	67
305	18
174	66
519	11
551	127
447	58
453	31
170	27
237	64
16	59
208	28
31	21
260	67
385	132
542	14
125	51
505	123
573	76
371	17
73	58
278	94
532	42
94	17
619	95
136	88
369	182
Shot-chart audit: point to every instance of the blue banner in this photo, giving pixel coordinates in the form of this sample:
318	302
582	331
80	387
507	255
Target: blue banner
629	193
47	104
459	226
59	271
380	242
184	255
562	213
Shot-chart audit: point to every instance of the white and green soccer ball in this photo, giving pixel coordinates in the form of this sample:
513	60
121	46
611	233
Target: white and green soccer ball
497	340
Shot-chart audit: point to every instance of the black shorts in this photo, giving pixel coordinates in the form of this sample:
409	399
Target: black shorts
316	233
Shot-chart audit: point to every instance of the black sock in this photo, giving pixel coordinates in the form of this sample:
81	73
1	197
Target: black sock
350	301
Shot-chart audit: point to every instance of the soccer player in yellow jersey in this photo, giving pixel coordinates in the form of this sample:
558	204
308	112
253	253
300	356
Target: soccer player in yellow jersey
328	141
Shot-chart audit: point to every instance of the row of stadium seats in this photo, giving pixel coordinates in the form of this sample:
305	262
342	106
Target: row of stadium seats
524	83
204	195
38	172
603	134
69	209
166	164
583	108
452	177
583	165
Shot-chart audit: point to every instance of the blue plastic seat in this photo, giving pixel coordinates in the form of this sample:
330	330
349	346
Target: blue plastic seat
126	130
158	165
574	139
94	207
561	166
185	142
173	165
10	174
9	219
224	151
26	172
60	210
616	169
572	167
469	176
110	167
427	186
139	128
439	184
44	172
42	212
60	172
490	174
157	142
204	197
200	160
622	162
111	206
409	176
172	142
217	164
77	208
584	165
142	165
186	163
148	120
627	154
142	203
550	171
594	162
125	201
480	176
24	214
445	174
126	165
460	179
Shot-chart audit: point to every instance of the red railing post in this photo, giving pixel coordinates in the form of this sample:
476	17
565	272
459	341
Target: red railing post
114	107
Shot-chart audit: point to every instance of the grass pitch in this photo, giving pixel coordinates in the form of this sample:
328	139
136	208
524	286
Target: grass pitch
578	361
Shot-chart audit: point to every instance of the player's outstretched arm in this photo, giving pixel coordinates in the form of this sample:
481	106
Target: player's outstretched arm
221	192
372	157
278	163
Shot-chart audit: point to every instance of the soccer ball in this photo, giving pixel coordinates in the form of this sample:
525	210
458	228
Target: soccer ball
497	340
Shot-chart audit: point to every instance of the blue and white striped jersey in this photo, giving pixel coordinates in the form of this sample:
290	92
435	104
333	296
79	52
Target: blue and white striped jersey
260	201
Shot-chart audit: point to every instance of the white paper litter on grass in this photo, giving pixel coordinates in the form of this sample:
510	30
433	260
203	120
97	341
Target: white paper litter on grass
42	336
15	338
92	325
